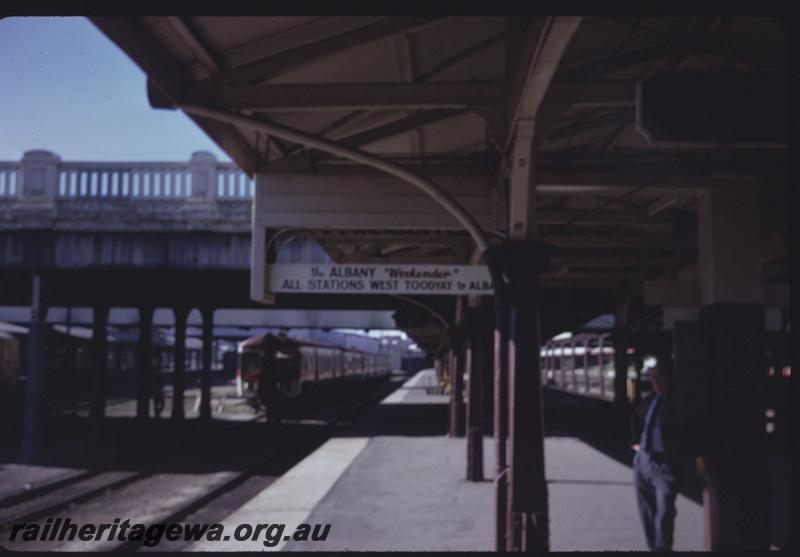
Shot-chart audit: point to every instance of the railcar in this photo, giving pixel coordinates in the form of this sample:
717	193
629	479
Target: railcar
274	368
582	364
68	357
9	359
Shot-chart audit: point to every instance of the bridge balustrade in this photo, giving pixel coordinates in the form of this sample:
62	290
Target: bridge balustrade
43	176
97	213
9	178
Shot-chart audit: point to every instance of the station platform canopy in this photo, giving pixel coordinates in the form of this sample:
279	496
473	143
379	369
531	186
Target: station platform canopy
616	187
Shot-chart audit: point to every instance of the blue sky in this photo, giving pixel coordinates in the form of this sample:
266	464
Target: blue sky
67	88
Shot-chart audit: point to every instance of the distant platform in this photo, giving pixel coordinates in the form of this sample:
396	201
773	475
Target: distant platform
421	388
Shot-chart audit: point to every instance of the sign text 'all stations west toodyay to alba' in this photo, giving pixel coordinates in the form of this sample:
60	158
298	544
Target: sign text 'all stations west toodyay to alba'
312	278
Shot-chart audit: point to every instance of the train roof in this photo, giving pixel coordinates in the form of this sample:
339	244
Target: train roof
10	328
126	337
292	341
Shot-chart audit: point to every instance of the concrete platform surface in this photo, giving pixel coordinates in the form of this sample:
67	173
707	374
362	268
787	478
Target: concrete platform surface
407	492
593	503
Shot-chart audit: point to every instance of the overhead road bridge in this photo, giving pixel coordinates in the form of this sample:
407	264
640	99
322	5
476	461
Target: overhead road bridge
142	246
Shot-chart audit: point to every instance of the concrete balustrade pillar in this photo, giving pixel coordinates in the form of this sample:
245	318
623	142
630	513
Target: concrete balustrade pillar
39	187
202	167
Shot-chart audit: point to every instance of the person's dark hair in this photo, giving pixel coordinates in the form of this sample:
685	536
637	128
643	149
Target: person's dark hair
664	363
664	370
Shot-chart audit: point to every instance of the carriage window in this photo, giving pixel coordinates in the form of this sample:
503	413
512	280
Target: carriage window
250	362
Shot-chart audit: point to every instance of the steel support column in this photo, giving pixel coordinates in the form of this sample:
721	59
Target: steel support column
34	371
528	528
735	454
691	389
572	366
208	340
144	363
600	362
97	404
621	361
70	354
500	406
179	360
620	339
438	366
586	361
487	369
457	367
638	358
522	261
475	362
732	337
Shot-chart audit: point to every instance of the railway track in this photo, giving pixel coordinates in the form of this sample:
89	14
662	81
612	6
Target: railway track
80	487
95	496
298	449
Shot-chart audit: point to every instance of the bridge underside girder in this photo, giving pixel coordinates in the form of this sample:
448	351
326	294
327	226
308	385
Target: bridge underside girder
562	310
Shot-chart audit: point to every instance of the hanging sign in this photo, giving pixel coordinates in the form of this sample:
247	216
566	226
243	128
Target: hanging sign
314	278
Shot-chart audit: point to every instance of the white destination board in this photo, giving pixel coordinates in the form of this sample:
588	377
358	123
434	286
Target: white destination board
313	278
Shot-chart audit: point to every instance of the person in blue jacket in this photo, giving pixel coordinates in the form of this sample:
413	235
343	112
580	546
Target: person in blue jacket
657	464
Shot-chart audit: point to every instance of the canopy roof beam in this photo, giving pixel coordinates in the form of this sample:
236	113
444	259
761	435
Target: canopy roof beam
545	44
282	62
346	96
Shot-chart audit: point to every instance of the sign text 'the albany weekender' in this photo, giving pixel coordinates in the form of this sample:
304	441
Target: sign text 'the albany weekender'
315	278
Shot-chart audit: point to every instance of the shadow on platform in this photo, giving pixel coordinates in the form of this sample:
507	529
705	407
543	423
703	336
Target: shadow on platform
165	445
605	428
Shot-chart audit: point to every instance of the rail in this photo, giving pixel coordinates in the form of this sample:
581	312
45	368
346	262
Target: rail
285	445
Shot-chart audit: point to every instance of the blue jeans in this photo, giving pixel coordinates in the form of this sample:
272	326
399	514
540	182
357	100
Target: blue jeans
656	488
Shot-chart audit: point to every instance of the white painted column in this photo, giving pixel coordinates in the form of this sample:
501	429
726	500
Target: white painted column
522	217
